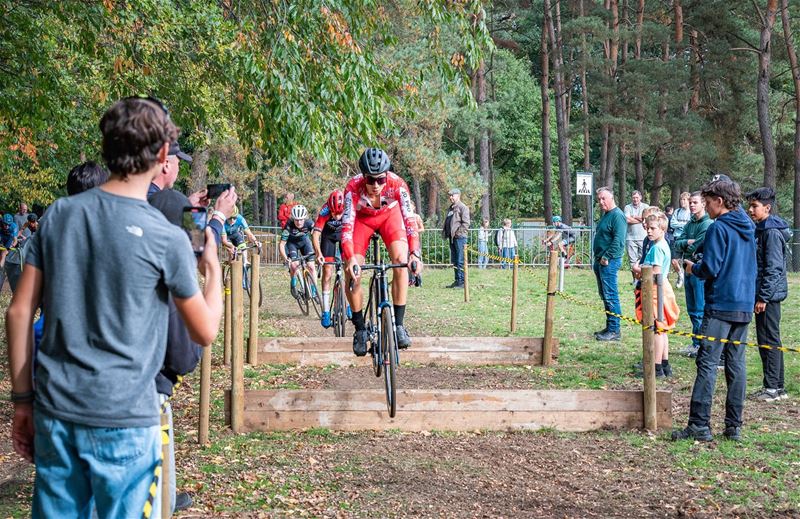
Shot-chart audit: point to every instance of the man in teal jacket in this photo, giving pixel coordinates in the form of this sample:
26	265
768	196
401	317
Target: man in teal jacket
609	247
690	246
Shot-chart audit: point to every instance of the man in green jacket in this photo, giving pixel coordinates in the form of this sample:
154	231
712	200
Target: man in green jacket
609	247
690	246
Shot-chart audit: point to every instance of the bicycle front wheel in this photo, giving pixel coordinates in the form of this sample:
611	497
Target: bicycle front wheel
246	281
389	360
300	294
313	293
338	309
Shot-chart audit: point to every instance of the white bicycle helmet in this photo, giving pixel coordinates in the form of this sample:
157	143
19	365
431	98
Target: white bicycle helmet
299	212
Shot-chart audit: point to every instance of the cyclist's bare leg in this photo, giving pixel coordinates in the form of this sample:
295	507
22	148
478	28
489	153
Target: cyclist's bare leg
398	253
354	296
312	268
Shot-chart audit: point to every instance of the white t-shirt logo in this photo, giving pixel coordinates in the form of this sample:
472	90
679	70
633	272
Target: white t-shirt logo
136	231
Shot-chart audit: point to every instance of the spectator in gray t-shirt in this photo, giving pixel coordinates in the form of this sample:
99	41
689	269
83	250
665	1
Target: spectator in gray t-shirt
636	232
21	218
104	263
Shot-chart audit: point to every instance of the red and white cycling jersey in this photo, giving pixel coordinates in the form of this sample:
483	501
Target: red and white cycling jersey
393	215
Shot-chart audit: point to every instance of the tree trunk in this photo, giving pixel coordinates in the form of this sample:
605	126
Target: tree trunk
269	210
604	151
612	161
433	200
790	50
658	179
584	97
484	145
762	94
256	200
417	194
199	175
556	54
638	166
547	163
471	139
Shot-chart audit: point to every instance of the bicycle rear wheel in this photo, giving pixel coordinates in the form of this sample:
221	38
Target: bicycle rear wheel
389	344
313	293
580	260
246	281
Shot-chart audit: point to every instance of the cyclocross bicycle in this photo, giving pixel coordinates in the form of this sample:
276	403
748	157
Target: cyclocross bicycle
338	301
305	289
380	325
241	250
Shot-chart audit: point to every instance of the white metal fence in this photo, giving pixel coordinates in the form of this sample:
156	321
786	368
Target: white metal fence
436	249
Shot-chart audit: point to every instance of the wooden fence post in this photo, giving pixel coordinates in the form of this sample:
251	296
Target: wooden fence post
205	396
648	363
237	348
514	279
255	297
227	328
166	469
552	275
466	274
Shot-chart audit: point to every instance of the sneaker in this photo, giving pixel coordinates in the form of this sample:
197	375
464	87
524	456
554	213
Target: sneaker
183	501
360	342
733	434
608	336
326	320
667	370
458	285
782	394
692	432
690	351
768	395
403	340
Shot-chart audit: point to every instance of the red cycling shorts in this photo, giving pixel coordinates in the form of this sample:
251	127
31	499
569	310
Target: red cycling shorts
389	224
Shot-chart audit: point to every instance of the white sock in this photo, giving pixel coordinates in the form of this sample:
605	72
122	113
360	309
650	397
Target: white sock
326	300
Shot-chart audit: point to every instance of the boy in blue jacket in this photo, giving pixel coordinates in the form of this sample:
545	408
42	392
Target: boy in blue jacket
772	233
728	267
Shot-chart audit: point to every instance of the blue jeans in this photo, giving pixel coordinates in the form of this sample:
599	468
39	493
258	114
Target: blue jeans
510	253
79	467
695	304
457	258
483	248
609	291
708	358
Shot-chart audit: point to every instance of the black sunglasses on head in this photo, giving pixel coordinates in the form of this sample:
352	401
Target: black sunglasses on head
376	180
151	99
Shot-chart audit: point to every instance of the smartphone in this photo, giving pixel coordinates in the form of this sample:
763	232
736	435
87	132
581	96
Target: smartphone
194	223
214	190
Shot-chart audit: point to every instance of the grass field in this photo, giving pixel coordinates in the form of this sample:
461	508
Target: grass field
547	474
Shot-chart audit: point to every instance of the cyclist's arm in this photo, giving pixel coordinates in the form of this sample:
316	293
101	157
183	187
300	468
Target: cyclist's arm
348	221
282	248
404	199
315	241
250	236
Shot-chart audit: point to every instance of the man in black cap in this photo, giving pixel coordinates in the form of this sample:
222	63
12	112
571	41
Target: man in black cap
169	172
182	354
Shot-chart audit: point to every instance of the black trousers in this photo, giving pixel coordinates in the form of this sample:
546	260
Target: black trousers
768	331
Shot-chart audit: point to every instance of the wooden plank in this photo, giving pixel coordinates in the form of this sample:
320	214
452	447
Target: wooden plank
453	410
324	351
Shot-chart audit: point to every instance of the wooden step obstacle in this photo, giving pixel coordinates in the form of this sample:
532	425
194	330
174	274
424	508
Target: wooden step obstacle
326	351
448	410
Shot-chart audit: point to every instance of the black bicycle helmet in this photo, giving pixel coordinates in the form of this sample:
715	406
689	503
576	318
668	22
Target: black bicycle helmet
374	161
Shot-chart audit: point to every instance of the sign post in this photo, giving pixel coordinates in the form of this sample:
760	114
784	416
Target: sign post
584	186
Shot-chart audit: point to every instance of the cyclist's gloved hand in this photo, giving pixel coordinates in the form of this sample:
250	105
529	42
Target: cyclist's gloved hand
354	272
320	259
414	264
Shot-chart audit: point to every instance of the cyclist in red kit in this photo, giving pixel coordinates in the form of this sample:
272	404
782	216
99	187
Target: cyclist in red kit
379	201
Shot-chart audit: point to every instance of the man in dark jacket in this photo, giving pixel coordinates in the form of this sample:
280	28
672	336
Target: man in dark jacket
609	247
728	267
772	233
690	246
182	354
456	228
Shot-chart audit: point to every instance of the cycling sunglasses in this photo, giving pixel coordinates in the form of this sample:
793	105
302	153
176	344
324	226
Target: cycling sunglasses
377	180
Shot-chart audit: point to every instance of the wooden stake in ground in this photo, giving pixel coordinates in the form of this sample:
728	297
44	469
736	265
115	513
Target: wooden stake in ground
255	297
228	331
466	274
237	348
166	469
205	397
550	308
514	278
648	363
